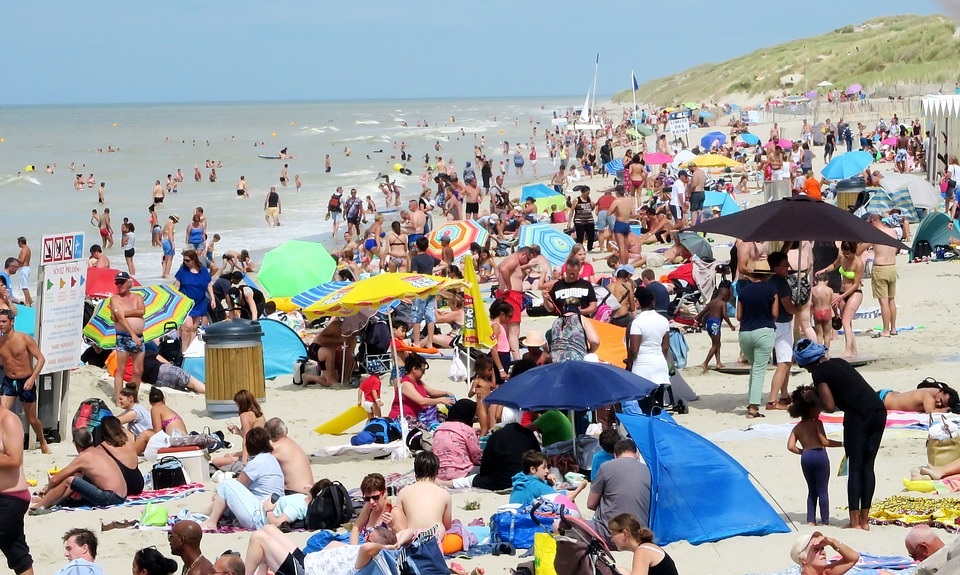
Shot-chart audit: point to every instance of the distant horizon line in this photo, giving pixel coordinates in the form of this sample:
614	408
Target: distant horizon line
606	98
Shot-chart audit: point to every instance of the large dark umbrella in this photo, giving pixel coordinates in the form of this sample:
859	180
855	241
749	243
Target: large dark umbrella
696	244
571	385
796	219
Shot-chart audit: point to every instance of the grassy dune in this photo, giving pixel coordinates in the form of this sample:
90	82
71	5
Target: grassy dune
881	54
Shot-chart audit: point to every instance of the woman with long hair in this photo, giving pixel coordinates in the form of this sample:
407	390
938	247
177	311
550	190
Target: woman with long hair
251	416
648	557
195	282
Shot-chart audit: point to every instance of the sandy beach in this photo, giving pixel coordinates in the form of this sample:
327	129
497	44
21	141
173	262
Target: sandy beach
924	302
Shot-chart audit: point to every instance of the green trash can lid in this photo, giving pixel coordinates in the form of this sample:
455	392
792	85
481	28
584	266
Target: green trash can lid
234	331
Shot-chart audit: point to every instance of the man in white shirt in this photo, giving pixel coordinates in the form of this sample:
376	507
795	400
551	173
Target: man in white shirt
678	194
80	548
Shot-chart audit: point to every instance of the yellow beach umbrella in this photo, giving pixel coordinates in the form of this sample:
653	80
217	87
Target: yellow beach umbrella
380	289
713	161
477	330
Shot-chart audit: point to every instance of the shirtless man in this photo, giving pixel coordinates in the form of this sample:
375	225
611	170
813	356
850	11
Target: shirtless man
621	209
415	224
806	133
22	362
14	494
924	400
106	230
168	243
695	193
242	188
330	341
510	289
93	474
159	191
185	537
23	275
472	196
884	280
97	259
297	474
126	309
424	504
283	175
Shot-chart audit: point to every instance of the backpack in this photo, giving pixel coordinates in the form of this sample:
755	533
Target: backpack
922	249
330	509
334	204
678	348
381	429
88	417
377	337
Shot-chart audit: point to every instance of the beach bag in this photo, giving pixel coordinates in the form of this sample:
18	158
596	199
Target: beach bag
330	509
799	288
380	430
515	526
678	348
544	554
168	472
423	557
154	515
458	371
943	442
923	249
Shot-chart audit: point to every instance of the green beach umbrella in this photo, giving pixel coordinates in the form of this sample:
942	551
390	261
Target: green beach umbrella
645	129
295	267
634	134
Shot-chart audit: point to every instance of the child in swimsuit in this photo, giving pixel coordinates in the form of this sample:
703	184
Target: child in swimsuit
821	296
711	318
809	433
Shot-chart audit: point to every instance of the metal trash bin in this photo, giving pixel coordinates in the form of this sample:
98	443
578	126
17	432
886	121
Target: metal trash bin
233	361
776	190
848	191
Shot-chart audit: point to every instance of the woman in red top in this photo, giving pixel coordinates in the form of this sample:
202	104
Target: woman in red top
416	395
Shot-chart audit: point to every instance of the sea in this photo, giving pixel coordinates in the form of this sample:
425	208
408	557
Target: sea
154	140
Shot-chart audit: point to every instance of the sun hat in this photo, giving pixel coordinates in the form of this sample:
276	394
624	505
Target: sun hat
807	351
800	545
533	339
494	218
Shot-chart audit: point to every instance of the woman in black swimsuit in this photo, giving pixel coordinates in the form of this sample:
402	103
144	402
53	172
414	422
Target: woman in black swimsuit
122	451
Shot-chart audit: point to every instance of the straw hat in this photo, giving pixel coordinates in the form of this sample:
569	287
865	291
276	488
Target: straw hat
533	339
761	267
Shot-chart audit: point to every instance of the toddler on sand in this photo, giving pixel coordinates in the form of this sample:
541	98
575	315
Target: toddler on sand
711	318
821	307
805	404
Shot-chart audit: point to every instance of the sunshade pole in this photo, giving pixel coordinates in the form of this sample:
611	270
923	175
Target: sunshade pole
573	424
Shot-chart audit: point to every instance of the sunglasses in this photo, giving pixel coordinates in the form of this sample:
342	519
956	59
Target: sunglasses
372	497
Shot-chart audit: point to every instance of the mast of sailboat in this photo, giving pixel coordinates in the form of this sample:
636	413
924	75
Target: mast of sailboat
596	68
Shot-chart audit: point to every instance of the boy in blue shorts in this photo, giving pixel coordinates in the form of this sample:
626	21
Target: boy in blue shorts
711	318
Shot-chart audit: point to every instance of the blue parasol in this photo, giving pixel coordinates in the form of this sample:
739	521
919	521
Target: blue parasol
554	244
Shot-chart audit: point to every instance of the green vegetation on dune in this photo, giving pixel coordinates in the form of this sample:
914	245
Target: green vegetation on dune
878	54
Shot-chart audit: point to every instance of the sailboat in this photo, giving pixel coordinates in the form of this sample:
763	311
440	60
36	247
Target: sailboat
583	122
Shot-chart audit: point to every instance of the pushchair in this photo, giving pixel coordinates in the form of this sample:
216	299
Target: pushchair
693	285
374	356
580	550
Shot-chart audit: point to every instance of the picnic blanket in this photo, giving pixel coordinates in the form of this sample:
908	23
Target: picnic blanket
907	511
158	496
869	564
832	423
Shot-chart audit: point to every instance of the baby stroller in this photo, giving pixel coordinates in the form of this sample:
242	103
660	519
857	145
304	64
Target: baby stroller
374	356
687	298
580	550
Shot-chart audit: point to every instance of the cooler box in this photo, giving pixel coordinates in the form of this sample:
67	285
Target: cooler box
193	460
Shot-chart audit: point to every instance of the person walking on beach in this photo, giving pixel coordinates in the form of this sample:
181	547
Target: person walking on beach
510	289
126	310
621	210
841	387
23	274
353	208
271	207
472	197
22	363
242	188
168	245
14	494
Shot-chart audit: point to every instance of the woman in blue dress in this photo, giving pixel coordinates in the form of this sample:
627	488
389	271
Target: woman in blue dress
194	281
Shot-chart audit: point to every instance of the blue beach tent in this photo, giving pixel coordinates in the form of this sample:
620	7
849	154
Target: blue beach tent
281	347
722	199
699	493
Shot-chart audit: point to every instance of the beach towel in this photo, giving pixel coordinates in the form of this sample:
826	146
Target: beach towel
869	564
373	449
908	511
895	419
157	496
832	423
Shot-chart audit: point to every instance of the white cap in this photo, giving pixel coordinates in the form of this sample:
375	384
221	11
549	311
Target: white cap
494	218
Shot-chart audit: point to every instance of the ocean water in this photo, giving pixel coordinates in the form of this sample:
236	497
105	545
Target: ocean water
155	140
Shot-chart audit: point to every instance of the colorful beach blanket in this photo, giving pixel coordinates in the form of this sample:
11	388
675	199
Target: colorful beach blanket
158	496
908	511
870	565
895	419
832	423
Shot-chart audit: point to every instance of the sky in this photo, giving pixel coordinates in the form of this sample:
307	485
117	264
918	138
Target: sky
118	51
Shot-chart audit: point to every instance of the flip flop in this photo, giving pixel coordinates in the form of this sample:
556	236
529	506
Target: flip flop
754	415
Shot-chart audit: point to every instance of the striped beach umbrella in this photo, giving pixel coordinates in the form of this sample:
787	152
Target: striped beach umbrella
378	290
165	309
461	233
554	244
306	299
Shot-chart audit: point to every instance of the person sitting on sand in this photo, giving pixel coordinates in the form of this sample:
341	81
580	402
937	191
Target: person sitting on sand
251	416
455	441
162	417
297	473
260	479
329	347
926	400
809	553
536	481
424	504
377	512
270	547
136	417
159	372
80	549
922	543
629	535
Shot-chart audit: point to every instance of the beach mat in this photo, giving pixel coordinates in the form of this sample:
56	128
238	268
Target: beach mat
155	496
907	511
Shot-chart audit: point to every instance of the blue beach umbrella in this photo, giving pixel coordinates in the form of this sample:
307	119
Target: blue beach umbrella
847	165
554	244
749	138
571	385
707	141
705	114
614	166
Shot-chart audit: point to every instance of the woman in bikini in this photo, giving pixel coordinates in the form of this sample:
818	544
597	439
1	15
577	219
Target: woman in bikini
155	228
373	245
250	416
376	510
165	419
848	300
396	260
453	318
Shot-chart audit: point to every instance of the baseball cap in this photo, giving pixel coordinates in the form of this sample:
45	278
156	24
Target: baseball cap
683	173
799	548
121	277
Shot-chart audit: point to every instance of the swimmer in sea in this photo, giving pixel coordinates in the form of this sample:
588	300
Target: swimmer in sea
242	188
296	182
103	186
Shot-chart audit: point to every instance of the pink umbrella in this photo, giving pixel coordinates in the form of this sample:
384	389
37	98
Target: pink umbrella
812	95
656	158
854	89
891	141
783	143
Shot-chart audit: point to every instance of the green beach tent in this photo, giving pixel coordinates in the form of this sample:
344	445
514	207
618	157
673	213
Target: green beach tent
936	229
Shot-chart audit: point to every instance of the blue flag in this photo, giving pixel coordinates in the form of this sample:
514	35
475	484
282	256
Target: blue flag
636	86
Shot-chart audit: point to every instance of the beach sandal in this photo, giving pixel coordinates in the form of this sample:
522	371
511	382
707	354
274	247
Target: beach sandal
774	405
754	414
894	332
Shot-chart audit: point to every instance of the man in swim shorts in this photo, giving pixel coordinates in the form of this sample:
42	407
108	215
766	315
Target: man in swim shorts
23	275
271	207
168	245
510	289
621	210
127	309
159	372
884	278
417	220
472	194
696	193
14	495
22	362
